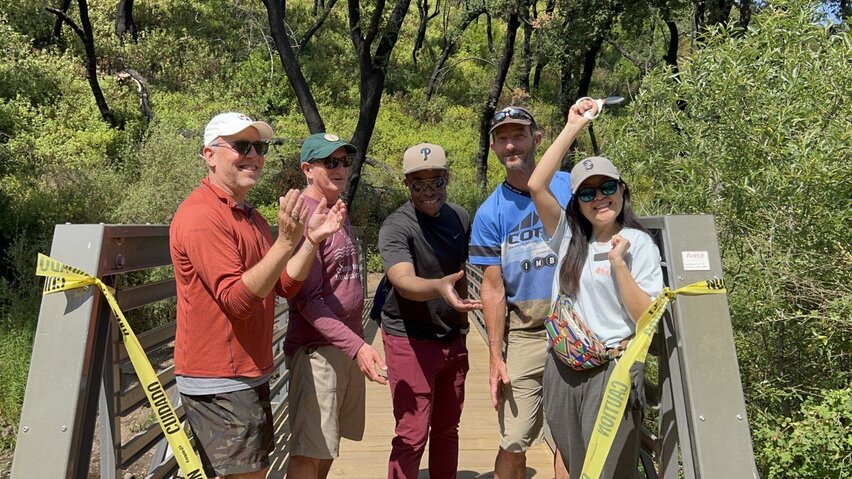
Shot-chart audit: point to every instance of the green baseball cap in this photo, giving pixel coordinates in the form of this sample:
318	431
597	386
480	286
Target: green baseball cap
322	145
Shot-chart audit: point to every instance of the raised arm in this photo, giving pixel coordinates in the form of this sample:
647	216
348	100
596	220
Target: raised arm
546	204
262	277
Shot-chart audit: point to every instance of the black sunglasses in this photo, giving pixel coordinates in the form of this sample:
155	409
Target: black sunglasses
514	113
331	162
607	188
244	146
435	183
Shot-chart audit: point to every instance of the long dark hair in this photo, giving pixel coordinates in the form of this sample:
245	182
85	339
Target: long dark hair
581	233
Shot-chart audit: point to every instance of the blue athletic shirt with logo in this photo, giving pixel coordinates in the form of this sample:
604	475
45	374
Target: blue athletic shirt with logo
508	232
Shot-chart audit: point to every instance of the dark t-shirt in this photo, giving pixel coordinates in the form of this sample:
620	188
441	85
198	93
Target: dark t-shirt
436	246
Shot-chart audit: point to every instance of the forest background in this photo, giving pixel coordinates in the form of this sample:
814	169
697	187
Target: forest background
739	109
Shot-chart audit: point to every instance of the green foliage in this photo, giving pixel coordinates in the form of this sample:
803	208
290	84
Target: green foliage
818	445
763	144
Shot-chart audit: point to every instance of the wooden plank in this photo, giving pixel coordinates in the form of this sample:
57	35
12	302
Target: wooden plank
478	433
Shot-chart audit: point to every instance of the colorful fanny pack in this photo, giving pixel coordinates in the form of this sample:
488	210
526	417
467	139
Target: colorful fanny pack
573	342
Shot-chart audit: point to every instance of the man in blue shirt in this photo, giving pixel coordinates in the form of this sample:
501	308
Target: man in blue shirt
518	268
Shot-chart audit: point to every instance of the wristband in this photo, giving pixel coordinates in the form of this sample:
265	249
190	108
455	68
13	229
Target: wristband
588	113
311	240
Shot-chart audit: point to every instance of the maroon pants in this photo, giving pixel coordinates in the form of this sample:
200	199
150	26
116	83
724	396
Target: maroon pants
427	387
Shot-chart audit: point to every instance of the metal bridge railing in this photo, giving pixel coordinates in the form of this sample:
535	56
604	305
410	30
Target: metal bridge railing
80	374
695	401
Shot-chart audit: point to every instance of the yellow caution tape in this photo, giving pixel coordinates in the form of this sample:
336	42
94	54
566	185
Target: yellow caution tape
618	387
61	277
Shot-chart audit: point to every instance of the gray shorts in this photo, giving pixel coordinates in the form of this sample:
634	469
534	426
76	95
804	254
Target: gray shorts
571	403
234	430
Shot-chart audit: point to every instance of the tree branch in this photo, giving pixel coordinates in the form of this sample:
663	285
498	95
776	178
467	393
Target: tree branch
57	26
60	15
129	74
627	56
317	24
375	22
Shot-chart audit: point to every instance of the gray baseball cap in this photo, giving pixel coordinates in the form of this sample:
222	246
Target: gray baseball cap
592	166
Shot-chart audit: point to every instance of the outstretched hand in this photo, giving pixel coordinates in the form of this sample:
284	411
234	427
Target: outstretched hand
451	296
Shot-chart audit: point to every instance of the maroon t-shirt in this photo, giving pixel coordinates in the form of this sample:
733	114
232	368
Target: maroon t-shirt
328	309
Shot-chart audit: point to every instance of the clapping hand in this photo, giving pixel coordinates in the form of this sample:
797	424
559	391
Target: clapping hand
291	217
326	221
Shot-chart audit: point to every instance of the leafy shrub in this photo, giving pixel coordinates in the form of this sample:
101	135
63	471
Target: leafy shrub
818	445
762	142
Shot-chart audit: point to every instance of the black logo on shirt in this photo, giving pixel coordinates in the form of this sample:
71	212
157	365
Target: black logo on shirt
527	229
538	262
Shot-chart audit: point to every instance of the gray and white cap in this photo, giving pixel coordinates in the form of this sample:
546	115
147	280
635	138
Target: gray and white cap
589	167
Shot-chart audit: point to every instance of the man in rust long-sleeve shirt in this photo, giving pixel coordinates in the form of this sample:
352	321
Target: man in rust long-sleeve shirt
324	346
227	271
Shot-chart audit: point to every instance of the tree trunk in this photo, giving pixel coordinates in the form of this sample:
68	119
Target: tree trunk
494	95
449	49
566	80
373	69
87	37
92	63
489	32
699	19
124	21
526	52
275	13
671	50
745	14
589	62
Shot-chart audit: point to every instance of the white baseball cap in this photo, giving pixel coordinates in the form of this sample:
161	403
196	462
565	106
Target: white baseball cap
231	123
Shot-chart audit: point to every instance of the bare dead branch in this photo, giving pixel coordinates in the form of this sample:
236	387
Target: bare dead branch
127	75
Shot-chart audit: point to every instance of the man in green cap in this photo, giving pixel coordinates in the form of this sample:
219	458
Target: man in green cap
325	348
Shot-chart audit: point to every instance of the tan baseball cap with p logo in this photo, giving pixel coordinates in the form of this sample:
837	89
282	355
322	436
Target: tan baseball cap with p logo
424	156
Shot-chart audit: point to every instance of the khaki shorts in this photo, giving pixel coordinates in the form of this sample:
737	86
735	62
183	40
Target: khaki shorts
520	414
327	397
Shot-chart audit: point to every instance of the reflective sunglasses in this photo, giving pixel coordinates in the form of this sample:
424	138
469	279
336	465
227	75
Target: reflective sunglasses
331	162
608	188
435	183
514	113
244	146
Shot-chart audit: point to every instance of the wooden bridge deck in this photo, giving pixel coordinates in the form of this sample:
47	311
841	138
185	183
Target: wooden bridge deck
367	459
